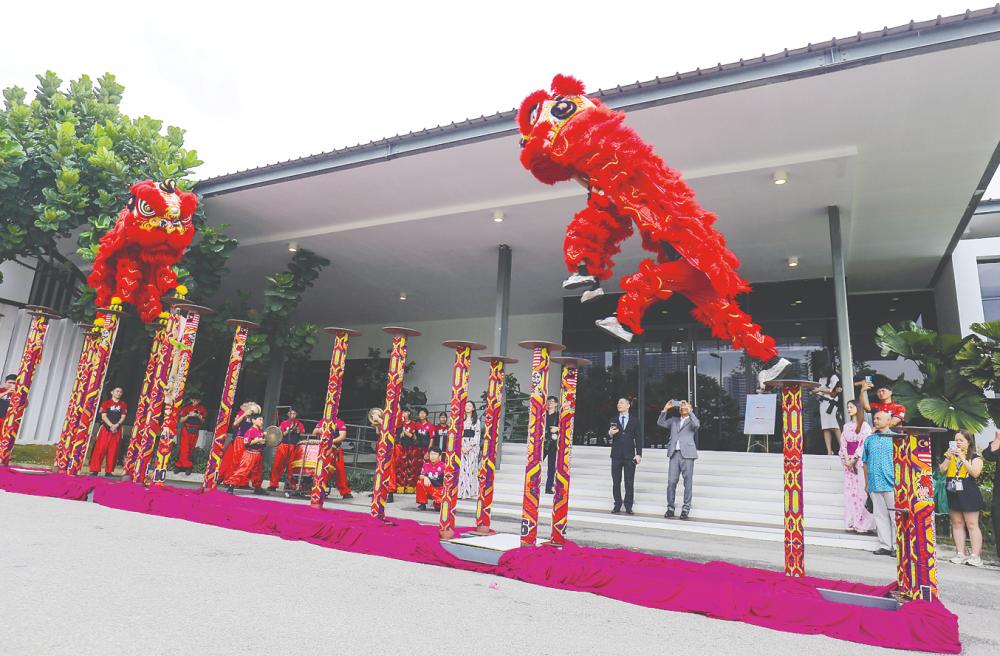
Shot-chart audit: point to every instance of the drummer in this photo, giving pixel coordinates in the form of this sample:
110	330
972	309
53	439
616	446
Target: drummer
337	464
292	431
252	459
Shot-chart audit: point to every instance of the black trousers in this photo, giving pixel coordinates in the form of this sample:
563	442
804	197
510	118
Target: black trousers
550	469
618	467
995	510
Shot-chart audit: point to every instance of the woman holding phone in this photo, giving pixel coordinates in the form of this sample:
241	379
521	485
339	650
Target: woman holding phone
962	466
856	517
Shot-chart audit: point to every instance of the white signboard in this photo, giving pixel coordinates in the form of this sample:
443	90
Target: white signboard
761	409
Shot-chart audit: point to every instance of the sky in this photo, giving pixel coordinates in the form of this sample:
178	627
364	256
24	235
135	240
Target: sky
256	83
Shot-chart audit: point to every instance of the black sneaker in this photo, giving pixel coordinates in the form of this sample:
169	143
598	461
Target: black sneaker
684	514
615	511
390	498
347	496
260	490
231	489
628	511
669	514
421	506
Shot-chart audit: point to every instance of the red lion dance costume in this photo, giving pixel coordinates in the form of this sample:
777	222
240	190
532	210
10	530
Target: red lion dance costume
135	258
566	135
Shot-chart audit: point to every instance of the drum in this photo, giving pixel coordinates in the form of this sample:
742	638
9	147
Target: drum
306	458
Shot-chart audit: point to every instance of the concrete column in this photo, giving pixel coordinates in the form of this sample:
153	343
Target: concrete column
504	258
272	393
840	302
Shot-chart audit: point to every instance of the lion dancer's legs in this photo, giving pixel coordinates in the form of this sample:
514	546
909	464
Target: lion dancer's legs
592	239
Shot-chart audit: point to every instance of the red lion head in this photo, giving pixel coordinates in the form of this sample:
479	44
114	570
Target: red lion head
134	263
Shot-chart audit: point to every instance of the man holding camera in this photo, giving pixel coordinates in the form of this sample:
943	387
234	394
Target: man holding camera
626	453
682	451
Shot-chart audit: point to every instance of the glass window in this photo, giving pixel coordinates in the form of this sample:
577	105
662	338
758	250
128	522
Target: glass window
989	283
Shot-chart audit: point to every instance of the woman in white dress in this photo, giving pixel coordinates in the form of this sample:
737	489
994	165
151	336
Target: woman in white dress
829	392
468	479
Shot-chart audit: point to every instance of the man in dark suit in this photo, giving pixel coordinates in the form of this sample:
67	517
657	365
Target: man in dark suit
626	452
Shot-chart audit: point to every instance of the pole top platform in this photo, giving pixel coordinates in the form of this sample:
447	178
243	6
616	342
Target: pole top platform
334	330
568	361
541	343
401	331
242	323
184	306
105	310
917	430
459	344
498	358
781	382
43	311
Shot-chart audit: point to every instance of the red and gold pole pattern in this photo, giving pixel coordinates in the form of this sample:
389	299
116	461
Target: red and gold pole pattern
172	404
75	397
923	571
564	458
795	542
334	385
536	426
106	326
902	492
142	406
154	411
390	416
226	401
491	428
30	357
456	422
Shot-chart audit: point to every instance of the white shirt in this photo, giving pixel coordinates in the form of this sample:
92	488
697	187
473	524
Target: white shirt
677	442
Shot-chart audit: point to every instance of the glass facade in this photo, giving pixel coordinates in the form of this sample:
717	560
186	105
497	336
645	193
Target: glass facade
989	283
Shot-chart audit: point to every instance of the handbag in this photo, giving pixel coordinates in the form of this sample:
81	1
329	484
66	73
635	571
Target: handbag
954	485
869	506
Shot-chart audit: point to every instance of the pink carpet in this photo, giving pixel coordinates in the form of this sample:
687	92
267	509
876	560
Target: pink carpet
715	589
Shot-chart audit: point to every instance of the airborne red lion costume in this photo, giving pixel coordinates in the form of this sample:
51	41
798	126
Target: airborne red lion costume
135	258
566	135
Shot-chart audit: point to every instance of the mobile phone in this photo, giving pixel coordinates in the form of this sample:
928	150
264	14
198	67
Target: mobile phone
868	379
952	445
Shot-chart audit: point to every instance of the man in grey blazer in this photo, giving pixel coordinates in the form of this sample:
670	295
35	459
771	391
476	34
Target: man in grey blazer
682	451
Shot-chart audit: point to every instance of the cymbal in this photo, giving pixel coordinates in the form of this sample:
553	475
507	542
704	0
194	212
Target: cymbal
272	436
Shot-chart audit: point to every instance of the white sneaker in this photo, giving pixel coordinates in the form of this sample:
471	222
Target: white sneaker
975	561
960	560
576	281
591	294
771	372
611	325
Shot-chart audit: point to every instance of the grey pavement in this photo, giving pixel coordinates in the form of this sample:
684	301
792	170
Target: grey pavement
83	579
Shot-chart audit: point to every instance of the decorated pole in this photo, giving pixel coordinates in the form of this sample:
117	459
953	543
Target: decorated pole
175	392
922	542
491	426
540	353
902	491
142	406
334	385
456	420
30	358
75	397
158	386
387	432
106	329
564	459
791	440
242	331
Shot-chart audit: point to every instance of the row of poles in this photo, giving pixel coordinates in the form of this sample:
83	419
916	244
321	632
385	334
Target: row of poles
154	430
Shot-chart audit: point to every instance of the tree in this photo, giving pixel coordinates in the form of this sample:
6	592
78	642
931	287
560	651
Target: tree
67	160
979	359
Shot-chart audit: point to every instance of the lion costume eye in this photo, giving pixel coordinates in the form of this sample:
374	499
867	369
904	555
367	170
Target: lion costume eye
563	109
145	209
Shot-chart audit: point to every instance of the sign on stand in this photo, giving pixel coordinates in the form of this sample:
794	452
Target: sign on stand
761	414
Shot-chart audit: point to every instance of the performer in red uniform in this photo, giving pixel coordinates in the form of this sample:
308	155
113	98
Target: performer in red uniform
337	474
441	432
193	415
106	446
292	431
234	450
423	433
375	419
431	480
408	455
252	458
883	392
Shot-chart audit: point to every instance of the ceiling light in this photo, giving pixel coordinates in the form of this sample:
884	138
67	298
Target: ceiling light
780	177
892	309
793	261
895	298
497	216
798	323
798	301
803	337
293	246
402	296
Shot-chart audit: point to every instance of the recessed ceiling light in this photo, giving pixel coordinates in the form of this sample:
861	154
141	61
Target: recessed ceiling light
803	337
293	246
793	261
780	177
798	323
497	216
895	298
798	301
892	309
402	296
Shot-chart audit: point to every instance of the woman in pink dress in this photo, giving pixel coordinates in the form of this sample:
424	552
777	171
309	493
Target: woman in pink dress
856	518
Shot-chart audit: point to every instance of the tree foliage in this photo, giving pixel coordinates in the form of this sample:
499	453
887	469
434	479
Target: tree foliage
979	359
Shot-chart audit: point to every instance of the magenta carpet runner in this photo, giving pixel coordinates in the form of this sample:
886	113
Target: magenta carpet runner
715	589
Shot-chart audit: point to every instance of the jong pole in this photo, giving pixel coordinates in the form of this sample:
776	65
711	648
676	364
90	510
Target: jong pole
456	421
791	440
30	358
564	459
334	385
491	426
241	332
390	417
142	406
172	402
540	353
75	396
922	540
902	490
106	329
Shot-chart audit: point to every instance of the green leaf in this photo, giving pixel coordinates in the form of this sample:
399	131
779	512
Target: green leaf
962	412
